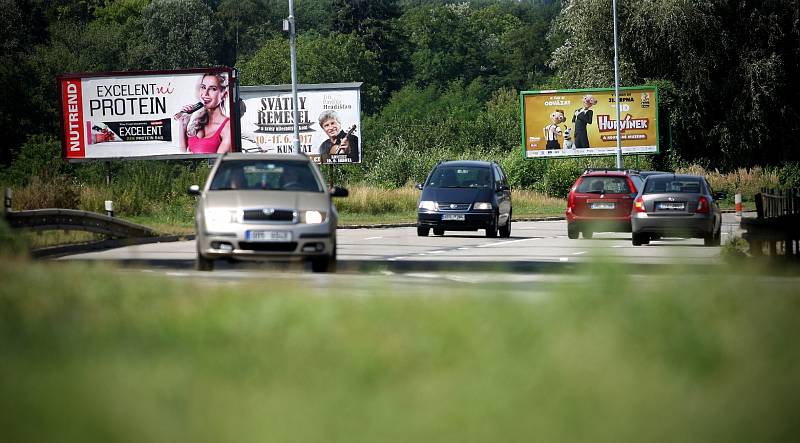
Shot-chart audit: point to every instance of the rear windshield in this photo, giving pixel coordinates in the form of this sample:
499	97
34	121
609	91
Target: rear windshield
461	177
278	175
604	185
670	184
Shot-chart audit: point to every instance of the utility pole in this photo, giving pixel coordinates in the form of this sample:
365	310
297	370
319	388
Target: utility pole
616	85
289	25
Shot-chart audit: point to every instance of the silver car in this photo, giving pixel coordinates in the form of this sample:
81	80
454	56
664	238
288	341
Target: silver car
266	206
679	206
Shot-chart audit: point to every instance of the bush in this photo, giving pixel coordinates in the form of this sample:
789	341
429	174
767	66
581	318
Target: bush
11	243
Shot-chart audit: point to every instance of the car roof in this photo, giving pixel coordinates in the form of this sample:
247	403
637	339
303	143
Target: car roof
473	163
265	156
678	176
609	172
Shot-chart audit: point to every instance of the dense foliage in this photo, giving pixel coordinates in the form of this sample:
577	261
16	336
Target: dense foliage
441	79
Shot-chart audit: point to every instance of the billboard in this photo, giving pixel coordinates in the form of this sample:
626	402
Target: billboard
580	122
147	114
329	120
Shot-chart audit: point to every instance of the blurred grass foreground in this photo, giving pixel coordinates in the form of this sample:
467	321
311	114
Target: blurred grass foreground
91	353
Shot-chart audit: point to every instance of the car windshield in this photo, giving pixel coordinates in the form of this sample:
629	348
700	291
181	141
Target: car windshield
604	185
671	184
461	177
278	175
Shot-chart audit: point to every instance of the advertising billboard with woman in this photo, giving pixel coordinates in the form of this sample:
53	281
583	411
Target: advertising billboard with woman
147	114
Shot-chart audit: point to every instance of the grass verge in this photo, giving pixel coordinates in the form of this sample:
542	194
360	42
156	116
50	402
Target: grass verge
89	353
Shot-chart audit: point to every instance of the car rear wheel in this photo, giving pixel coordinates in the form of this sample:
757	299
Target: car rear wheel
423	232
505	231
713	239
491	231
203	264
572	231
639	239
438	231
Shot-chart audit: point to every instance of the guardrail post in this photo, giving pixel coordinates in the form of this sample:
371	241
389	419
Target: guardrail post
7	201
110	208
738	202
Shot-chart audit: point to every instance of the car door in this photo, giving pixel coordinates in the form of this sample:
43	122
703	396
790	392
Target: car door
503	193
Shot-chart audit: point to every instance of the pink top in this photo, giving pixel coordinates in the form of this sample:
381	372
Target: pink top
207	145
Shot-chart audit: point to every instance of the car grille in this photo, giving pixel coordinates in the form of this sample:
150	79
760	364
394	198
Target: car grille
268	246
447	206
269	214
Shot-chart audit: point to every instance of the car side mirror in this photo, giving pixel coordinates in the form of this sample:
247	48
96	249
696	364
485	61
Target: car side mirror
193	190
504	188
418	186
338	191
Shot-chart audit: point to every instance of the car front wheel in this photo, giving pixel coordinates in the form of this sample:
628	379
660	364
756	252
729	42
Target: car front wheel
639	239
505	231
203	264
423	232
491	230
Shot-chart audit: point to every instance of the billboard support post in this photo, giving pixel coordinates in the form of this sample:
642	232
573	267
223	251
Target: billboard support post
108	174
616	87
293	56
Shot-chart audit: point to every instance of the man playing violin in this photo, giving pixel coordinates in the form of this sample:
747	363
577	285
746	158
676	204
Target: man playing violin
339	143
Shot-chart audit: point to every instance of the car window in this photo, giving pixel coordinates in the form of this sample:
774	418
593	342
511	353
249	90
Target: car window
278	175
637	181
460	177
670	184
603	184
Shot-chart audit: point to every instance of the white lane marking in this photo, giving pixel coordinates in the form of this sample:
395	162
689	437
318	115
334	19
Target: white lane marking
579	253
437	252
617	246
463	249
503	242
372	238
563	258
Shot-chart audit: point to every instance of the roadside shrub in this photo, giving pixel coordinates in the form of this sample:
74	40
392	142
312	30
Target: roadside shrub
11	242
789	175
47	191
39	156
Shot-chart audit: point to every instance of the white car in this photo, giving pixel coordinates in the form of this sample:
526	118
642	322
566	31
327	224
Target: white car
266	206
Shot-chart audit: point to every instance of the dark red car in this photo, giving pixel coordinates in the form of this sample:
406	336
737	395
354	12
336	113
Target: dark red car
601	201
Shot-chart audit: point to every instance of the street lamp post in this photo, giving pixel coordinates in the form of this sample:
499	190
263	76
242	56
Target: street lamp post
290	23
616	85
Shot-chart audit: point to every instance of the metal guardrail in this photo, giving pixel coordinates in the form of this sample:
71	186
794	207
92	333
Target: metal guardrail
71	219
777	222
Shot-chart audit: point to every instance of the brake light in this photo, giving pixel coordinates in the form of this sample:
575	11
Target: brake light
571	199
702	205
638	204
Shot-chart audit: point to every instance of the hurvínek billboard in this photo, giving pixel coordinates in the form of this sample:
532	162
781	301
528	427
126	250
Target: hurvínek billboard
158	114
329	120
581	122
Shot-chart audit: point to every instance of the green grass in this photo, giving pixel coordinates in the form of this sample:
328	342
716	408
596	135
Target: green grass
90	353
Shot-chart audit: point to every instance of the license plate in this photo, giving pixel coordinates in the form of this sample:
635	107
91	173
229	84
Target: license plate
672	206
603	205
455	217
273	236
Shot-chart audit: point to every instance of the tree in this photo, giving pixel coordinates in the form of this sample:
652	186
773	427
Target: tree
735	104
338	58
180	34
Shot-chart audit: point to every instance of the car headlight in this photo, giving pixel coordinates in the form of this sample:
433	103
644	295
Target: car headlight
312	217
482	206
222	215
428	205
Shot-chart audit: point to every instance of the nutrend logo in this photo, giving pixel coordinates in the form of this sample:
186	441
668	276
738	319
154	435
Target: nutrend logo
73	116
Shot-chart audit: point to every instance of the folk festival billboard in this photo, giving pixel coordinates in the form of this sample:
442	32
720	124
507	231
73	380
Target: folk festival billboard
147	114
583	122
329	120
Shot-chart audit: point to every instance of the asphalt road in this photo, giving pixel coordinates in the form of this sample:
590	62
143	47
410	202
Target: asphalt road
538	246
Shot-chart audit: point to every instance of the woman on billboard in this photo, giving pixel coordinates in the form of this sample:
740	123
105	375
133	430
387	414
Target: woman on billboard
204	126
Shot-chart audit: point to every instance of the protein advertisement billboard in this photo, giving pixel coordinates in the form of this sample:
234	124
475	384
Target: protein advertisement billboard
329	120
580	122
158	114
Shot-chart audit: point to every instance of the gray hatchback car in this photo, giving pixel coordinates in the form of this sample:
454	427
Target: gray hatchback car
266	206
676	205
